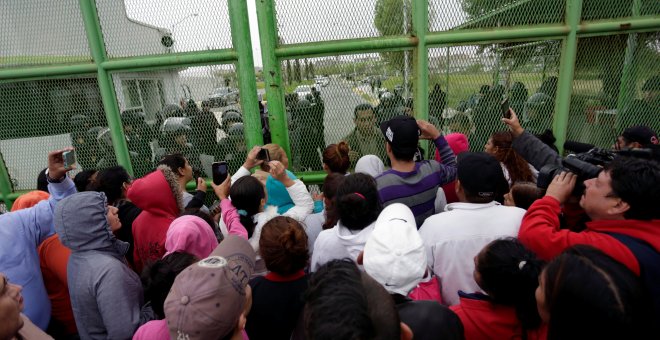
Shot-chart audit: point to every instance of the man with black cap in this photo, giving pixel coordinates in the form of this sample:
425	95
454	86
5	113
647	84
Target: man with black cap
414	184
636	137
452	239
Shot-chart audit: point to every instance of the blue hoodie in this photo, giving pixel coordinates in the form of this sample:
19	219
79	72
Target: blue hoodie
106	295
21	232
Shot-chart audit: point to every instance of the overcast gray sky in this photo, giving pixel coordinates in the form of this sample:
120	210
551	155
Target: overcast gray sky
202	24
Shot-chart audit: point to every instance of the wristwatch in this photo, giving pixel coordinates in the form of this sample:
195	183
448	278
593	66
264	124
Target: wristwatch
52	180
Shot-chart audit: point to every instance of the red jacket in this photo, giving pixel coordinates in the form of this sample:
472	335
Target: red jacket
159	197
485	320
540	232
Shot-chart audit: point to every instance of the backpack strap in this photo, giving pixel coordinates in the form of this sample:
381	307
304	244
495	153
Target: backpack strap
649	266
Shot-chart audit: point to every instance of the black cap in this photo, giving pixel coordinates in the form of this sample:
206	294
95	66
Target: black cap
402	133
640	134
481	174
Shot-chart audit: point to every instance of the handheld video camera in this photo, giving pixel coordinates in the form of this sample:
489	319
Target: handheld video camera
586	165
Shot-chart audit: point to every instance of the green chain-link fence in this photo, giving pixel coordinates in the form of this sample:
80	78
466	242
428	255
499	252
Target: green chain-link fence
127	81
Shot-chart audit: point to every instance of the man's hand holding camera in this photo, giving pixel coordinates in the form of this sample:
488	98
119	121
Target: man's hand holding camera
562	186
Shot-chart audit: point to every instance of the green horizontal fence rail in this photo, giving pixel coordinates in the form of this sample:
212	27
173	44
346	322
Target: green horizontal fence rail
419	41
570	31
104	66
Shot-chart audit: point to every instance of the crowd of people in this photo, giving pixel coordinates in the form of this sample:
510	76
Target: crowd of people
462	246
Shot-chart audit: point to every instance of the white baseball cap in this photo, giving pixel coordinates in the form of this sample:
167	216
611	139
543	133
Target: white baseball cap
394	255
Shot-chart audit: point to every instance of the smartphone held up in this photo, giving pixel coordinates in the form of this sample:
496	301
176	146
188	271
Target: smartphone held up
220	172
69	158
264	155
506	109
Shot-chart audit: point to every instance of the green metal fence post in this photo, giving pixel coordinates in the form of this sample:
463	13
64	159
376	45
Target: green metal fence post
5	183
272	74
628	87
420	65
240	36
106	87
566	72
420	25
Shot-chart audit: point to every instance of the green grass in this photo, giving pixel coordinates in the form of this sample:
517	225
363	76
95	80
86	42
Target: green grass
463	85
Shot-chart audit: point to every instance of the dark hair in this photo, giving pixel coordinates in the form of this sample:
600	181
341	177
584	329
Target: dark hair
515	164
330	185
110	181
362	107
636	182
405	155
335	156
174	161
358	203
338	305
42	181
158	277
509	273
524	194
589	295
83	180
246	194
283	245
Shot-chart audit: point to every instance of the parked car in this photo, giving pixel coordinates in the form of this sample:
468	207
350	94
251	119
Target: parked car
223	96
302	91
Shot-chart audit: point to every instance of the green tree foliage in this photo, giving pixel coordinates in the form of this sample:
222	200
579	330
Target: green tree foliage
288	71
389	21
297	74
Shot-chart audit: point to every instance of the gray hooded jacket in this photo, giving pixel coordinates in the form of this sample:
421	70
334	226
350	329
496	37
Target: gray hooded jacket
106	294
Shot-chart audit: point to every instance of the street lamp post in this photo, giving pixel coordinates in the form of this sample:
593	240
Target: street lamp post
180	21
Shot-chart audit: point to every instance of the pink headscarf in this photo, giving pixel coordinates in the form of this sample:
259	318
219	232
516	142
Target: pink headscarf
192	235
458	143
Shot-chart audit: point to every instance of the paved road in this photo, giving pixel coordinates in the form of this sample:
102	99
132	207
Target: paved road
340	100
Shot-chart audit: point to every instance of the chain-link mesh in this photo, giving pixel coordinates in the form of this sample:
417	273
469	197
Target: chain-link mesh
471	14
35	32
193	111
300	21
138	27
650	7
338	98
44	115
603	9
468	84
616	92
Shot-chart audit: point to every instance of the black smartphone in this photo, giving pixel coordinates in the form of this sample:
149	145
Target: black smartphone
504	106
69	158
220	171
263	155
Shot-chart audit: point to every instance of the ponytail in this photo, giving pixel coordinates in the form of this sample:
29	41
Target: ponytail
509	275
246	195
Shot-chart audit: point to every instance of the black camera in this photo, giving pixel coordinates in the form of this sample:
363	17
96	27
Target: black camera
586	165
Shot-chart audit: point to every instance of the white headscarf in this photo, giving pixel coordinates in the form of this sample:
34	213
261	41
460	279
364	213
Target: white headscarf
370	165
